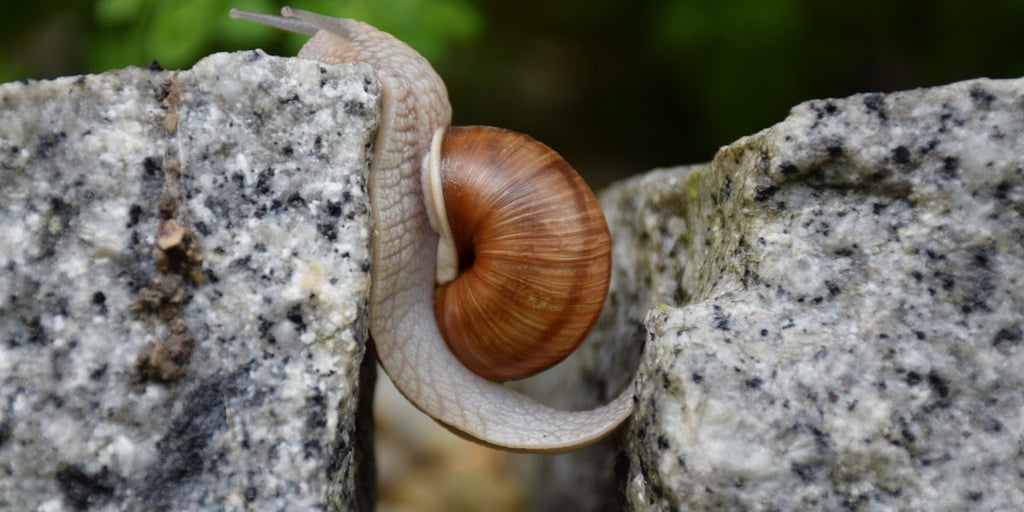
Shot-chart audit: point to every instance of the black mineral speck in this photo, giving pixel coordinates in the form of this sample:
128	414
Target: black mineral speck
720	319
981	259
152	166
97	373
241	263
876	104
908	435
938	385
329	230
83	490
134	214
355	108
263	181
5	432
804	471
1008	335
901	155
211	276
981	97
950	164
266	325
1001	189
154	66
913	378
49	141
765	193
334	209
753	383
316	417
833	288
295	201
202	228
250	494
312	449
294	315
788	168
947	280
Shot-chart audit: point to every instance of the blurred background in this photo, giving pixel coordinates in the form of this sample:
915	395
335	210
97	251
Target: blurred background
618	87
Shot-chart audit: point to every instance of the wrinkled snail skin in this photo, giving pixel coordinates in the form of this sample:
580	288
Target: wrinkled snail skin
402	321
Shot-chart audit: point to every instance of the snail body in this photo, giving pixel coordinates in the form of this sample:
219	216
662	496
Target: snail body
416	193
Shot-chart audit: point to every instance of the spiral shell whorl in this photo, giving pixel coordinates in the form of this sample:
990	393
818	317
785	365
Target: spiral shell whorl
533	249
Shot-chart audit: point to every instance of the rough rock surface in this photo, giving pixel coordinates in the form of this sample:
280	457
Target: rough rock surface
184	281
846	332
834	317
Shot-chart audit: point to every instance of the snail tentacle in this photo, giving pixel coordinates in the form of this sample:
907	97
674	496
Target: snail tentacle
288	24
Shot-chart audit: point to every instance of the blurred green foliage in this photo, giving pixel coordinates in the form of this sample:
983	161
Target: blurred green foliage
616	86
99	35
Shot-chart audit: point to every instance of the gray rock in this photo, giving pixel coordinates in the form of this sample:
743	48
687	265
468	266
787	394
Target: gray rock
843	305
834	318
184	285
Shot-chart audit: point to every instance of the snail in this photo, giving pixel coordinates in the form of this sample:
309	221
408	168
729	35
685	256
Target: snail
434	227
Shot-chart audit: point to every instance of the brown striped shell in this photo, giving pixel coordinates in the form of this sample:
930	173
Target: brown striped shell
533	253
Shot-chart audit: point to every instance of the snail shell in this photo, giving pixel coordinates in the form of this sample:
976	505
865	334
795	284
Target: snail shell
532	253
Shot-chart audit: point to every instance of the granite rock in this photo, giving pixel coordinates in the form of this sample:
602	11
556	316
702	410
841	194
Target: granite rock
184	282
833	313
842	311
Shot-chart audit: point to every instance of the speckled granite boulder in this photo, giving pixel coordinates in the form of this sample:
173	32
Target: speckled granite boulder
184	282
846	327
834	317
